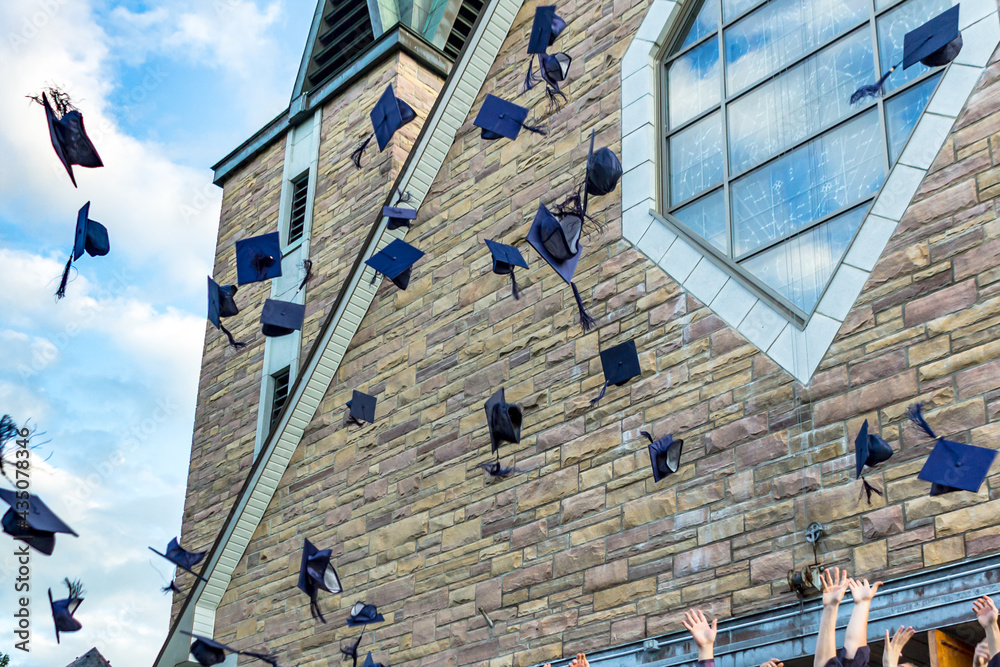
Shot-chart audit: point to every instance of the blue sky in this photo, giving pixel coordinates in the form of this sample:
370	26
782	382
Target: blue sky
110	373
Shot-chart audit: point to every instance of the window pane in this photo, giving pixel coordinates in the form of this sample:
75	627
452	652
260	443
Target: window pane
706	22
781	31
800	268
731	8
891	29
707	218
903	111
696	158
693	83
802	101
814	180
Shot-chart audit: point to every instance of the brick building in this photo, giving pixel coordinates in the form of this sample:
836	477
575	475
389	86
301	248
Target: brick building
783	281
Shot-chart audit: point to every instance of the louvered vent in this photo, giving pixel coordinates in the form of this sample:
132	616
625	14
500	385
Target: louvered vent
279	395
460	31
346	31
297	220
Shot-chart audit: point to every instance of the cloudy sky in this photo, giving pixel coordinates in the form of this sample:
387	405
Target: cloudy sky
110	373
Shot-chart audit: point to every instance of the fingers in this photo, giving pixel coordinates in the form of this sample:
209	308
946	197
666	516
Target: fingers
715	625
701	617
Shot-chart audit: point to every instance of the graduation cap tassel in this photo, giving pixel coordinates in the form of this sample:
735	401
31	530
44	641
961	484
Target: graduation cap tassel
533	128
586	321
529	78
308	264
553	93
235	344
647	434
873	89
916	415
171	588
868	489
595	401
513	285
314	609
61	292
359	151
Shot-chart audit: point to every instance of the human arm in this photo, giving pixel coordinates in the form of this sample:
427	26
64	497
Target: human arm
982	655
857	628
702	632
986	614
834	582
894	646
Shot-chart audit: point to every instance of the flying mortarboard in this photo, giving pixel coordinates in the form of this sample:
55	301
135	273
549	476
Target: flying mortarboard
952	466
557	240
280	318
500	118
664	455
505	258
503	419
222	303
362	408
208	652
258	258
545	28
182	558
91	237
69	138
317	573
620	364
363	614
495	469
63	610
394	262
934	43
390	114
604	169
37	526
399	217
370	662
869	450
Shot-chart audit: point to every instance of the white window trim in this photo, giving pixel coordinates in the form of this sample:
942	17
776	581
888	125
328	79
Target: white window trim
798	351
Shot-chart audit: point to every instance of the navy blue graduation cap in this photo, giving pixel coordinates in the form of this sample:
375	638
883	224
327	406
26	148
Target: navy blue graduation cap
362	408
500	118
182	558
370	662
503	419
317	573
258	258
91	237
557	240
63	610
545	28
208	652
68	135
604	169
505	258
934	43
952	466
620	364
37	526
869	450
394	262
398	216
363	614
222	303
280	318
390	114
664	455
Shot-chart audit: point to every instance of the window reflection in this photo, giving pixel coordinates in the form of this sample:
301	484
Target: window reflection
696	158
705	23
891	28
693	83
707	218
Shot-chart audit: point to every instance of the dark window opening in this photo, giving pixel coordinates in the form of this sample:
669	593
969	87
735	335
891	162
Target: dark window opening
297	220
462	27
345	32
279	395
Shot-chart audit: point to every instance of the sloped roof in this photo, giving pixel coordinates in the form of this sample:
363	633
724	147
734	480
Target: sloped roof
91	658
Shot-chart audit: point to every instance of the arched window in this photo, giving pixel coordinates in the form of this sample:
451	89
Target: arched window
767	166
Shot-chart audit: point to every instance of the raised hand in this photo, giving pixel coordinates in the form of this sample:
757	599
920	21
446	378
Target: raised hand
862	591
773	663
835	582
986	612
894	646
579	661
702	632
982	655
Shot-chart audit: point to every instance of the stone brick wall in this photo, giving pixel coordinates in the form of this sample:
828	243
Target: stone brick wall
586	551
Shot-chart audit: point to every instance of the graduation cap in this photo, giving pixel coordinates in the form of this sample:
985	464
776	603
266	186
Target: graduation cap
500	118
952	466
394	262
399	217
363	614
316	573
280	318
620	364
91	237
362	408
869	450
664	455
69	137
390	114
63	610
504	420
505	258
8	431
351	649
545	28
222	303
557	240
496	470
208	652
604	169
934	43
36	526
370	662
258	258
182	558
